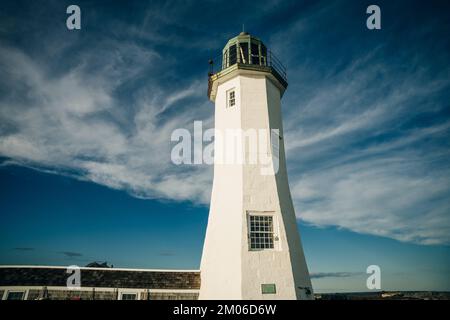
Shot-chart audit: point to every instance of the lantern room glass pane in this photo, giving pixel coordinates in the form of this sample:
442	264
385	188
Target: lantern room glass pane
263	55
225	60
232	55
243	52
255	53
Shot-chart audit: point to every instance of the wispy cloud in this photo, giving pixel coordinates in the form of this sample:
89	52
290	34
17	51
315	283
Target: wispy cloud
71	254
367	135
320	275
75	123
24	249
365	166
167	253
366	131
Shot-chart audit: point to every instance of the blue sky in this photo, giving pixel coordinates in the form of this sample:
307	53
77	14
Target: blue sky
86	118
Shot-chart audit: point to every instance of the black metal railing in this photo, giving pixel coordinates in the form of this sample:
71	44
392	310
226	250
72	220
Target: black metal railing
222	62
276	64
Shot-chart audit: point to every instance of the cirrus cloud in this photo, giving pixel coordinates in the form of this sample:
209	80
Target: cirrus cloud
366	132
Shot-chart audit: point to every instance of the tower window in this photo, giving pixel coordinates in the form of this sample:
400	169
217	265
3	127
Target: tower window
231	98
261	232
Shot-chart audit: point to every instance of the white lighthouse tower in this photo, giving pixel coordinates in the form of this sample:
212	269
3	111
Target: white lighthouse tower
252	248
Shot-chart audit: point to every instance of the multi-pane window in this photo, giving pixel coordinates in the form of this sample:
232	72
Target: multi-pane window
261	232
128	296
231	98
15	295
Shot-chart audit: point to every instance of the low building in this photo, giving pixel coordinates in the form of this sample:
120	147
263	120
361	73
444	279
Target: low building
44	282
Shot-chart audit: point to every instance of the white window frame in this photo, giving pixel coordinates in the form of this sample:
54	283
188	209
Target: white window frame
137	294
229	99
275	230
24	292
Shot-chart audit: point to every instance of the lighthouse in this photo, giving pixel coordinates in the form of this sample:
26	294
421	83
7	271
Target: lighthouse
252	247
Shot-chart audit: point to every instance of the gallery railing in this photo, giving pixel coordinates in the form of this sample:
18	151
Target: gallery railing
266	62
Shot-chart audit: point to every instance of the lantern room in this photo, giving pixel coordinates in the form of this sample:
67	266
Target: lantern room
245	53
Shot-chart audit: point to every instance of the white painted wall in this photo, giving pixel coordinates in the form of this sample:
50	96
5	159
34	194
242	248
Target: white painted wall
228	269
221	259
